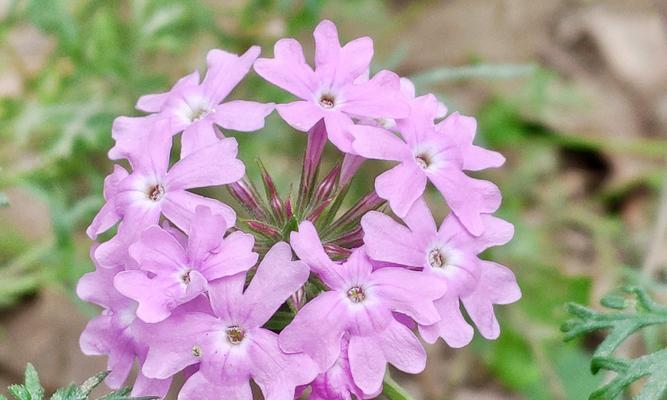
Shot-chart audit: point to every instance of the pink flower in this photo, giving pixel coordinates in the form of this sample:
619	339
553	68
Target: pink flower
338	90
337	382
114	332
153	189
231	347
437	153
179	274
360	304
448	257
196	108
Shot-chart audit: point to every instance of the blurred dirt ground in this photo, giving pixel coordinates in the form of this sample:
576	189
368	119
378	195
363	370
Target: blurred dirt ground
612	54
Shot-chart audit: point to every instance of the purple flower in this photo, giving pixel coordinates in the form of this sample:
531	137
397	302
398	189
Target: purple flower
195	107
181	273
448	257
337	383
153	189
360	303
114	333
437	153
230	346
338	90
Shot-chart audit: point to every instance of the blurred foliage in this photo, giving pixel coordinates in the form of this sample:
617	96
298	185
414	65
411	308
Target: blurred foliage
105	54
33	390
621	325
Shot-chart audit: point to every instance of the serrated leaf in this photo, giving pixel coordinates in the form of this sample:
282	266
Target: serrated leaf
621	325
19	392
70	392
32	384
93	382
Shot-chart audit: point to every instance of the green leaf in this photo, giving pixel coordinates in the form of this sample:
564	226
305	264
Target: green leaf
19	392
32	384
93	382
621	324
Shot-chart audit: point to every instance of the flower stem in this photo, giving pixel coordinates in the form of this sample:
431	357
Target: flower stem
393	391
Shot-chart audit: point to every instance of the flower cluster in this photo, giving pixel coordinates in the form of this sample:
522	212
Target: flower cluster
337	294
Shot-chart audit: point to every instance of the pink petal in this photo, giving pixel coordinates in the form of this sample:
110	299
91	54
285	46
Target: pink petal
239	115
107	216
179	207
103	221
338	129
198	135
100	337
154	304
346	63
355	60
213	165
402	349
300	115
158	250
327	45
378	98
317	329
462	129
206	233
497	286
169	354
225	71
153	103
234	255
398	288
275	372
276	278
197	387
114	252
387	240
225	294
467	197
453	328
420	221
145	387
378	143
308	247
289	70
496	232
97	287
144	141
367	363
401	186
420	124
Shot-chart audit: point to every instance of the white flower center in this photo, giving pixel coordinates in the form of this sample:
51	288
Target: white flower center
327	101
235	334
437	259
155	192
356	294
196	351
185	277
199	113
423	160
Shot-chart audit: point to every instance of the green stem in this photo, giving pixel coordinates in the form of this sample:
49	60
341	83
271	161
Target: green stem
393	391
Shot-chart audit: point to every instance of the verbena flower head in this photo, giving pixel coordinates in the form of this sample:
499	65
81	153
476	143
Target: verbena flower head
178	279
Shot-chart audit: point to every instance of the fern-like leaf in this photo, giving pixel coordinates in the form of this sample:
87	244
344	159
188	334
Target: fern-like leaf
634	311
33	390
